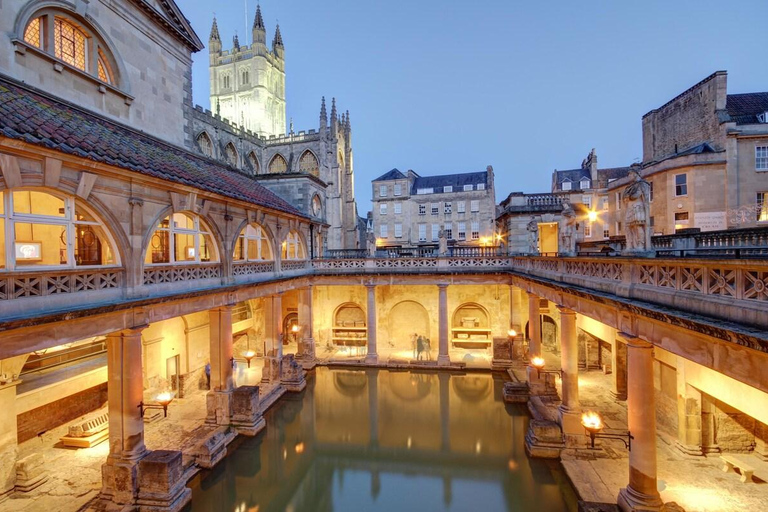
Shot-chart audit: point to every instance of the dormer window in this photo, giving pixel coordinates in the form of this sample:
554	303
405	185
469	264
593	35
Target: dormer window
71	42
584	184
566	184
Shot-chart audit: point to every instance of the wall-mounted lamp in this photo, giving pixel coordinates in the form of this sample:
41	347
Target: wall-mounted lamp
248	355
593	424
538	363
163	400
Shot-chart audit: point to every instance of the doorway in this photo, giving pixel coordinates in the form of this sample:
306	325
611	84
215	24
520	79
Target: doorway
172	372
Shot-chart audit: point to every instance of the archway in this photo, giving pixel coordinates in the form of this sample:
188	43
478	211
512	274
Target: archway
407	321
471	327
291	333
349	328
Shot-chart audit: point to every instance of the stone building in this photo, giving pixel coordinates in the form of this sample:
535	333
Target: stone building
409	209
704	154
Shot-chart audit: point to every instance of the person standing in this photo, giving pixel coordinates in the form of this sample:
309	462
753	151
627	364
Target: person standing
208	375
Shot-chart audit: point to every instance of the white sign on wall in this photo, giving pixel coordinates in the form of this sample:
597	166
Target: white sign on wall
709	221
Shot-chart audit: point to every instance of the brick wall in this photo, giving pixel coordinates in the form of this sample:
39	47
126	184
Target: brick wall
52	415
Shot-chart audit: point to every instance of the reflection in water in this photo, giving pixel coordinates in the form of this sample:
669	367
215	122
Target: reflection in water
378	440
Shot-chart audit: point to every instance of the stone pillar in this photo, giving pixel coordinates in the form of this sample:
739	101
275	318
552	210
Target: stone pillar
9	447
619	368
373	405
372	356
219	398
307	343
688	413
443	357
641	493
445	411
126	427
570	410
534	326
273	319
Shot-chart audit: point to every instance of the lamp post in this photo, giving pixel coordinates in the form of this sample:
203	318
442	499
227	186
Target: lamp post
163	401
248	355
593	425
538	363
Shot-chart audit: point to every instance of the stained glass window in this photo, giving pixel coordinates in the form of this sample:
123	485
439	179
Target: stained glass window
278	165
308	164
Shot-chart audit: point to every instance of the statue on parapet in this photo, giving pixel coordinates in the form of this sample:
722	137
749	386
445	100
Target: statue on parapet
442	238
370	245
636	200
533	236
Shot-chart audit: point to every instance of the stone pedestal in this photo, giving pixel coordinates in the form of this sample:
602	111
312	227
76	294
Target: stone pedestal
246	412
31	472
161	484
641	493
9	447
292	376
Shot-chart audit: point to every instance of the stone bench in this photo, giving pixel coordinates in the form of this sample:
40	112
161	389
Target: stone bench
88	432
748	466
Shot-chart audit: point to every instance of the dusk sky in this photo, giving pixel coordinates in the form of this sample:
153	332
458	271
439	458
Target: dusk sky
447	86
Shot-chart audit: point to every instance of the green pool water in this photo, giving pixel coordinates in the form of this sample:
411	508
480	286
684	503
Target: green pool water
378	440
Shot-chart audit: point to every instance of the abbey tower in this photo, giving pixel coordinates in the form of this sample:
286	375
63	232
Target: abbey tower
248	82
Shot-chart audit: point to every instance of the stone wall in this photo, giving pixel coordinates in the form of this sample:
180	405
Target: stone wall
734	431
62	411
665	387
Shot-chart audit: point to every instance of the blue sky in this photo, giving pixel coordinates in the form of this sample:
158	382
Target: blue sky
528	87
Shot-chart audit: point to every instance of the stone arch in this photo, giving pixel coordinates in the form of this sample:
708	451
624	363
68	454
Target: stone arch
215	232
405	319
253	163
231	155
471	310
278	165
271	240
294	246
309	164
107	55
205	144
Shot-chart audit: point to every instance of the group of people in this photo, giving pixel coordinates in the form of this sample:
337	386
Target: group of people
421	347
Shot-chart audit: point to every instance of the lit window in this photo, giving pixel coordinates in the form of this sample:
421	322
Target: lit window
422	232
382	191
398	208
383	208
422	209
398	230
467	188
762	206
435	208
308	164
448	188
481	186
474	206
566	185
252	245
42	224
681	217
181	238
278	165
435	232
475	230
32	33
398	189
461	206
587	201
761	158
69	43
447	208
293	249
383	231
462	229
681	184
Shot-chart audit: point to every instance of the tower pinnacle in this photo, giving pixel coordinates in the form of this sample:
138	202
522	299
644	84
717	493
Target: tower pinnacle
258	20
278	40
214	31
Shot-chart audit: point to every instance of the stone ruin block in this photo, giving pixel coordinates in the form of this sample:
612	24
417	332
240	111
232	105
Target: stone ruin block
218	407
544	439
246	412
31	472
271	372
516	392
161	484
212	449
292	376
502	352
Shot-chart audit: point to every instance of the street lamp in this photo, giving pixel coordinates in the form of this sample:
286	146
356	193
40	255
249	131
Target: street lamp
593	424
248	355
592	216
163	400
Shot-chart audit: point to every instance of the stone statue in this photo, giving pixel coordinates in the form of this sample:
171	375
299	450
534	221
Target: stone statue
567	245
370	245
636	204
442	238
533	236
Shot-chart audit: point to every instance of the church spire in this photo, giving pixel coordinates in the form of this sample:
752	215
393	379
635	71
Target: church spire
323	114
258	32
277	44
214	31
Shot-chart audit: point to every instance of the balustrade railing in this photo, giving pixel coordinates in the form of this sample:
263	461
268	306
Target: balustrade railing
178	273
18	285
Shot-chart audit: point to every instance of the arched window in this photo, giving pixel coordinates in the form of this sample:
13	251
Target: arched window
293	249
317	206
225	81
231	154
278	165
308	164
253	162
72	42
205	144
246	77
181	238
253	245
40	229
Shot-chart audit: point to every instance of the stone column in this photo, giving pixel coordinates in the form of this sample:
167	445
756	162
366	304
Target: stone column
307	342
641	493
126	427
688	413
372	356
443	357
619	368
373	405
9	447
273	320
534	326
445	411
219	398
570	410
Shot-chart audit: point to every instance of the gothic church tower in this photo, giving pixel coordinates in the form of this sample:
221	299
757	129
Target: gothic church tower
248	82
